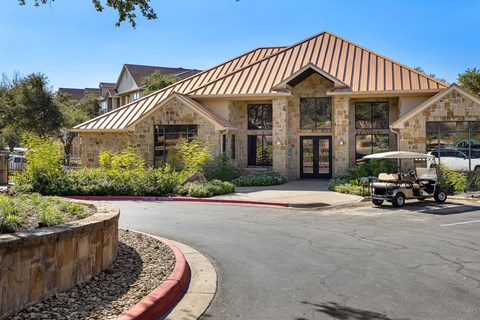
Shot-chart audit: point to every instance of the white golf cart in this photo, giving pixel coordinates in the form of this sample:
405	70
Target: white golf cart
398	187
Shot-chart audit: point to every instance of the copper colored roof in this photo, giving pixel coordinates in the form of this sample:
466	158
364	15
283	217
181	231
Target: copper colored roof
121	118
360	69
267	71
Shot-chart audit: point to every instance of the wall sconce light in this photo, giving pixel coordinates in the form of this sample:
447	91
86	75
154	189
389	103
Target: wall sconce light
279	143
341	142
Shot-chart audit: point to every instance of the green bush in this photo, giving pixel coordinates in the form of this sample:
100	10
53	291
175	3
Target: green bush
221	168
44	165
339	180
373	167
19	210
205	189
453	180
260	179
351	189
189	156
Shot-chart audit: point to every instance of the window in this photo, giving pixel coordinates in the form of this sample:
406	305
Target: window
232	145
166	138
315	113
136	96
224	143
260	117
366	144
454	139
260	150
371	115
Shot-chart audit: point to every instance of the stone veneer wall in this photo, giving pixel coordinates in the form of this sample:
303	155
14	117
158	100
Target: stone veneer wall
36	264
453	107
92	143
142	139
174	113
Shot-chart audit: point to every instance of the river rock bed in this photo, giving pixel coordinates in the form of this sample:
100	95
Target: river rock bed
142	264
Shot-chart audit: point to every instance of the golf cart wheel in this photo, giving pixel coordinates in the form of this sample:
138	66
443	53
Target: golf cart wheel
440	196
377	202
399	200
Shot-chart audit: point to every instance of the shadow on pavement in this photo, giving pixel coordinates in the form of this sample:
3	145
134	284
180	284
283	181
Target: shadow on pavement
430	207
338	311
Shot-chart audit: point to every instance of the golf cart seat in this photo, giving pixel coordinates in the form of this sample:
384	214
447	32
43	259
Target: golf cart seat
388	177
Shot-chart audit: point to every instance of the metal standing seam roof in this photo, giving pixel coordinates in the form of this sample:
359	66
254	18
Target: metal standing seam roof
121	118
260	71
362	70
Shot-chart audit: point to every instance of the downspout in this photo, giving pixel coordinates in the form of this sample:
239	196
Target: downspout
399	163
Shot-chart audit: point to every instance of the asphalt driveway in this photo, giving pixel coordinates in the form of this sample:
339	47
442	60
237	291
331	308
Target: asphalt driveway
418	262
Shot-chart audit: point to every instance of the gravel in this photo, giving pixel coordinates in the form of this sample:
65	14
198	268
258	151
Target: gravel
142	264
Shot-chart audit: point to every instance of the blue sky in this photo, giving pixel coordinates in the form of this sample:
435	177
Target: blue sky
75	46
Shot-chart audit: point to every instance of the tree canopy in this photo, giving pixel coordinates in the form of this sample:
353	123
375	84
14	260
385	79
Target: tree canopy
125	8
157	81
432	75
470	80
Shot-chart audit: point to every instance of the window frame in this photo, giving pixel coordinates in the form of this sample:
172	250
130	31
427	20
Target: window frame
252	158
160	130
372	145
371	120
264	119
317	105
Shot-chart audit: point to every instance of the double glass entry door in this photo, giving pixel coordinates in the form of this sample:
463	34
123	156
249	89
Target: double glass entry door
316	157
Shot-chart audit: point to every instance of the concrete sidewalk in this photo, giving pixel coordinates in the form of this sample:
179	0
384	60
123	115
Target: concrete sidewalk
298	193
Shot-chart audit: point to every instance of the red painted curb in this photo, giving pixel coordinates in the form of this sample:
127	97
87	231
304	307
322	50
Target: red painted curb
179	199
163	298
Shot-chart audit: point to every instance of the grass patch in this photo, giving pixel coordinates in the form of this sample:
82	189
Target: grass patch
26	211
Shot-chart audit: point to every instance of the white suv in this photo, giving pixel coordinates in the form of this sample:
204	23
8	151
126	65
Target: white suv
456	159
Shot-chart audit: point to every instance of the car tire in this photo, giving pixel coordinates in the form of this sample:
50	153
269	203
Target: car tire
377	202
399	200
440	196
477	168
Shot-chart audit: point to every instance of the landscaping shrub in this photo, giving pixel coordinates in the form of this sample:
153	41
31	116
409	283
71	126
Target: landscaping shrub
44	157
260	179
339	180
189	156
351	189
221	168
453	180
205	189
24	211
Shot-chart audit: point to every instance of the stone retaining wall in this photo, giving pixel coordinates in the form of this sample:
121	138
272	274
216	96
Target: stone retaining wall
38	263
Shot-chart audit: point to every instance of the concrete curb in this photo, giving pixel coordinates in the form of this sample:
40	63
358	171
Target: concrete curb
178	199
162	299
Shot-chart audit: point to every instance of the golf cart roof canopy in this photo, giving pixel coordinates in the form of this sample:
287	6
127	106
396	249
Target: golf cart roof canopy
398	155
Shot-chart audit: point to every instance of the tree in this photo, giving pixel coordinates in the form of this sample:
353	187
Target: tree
432	75
27	105
125	8
157	81
470	80
74	112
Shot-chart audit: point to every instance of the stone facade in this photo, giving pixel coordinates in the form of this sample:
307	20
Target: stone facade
454	106
39	263
142	139
174	112
286	132
91	144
